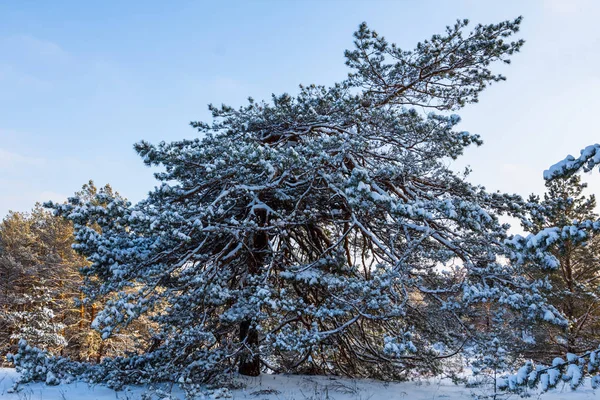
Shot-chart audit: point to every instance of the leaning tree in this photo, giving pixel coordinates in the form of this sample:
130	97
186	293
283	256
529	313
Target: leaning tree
321	232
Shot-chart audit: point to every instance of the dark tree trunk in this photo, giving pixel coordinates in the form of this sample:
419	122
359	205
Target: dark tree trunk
250	359
100	351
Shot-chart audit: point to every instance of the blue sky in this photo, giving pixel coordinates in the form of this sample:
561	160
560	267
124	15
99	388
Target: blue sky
80	82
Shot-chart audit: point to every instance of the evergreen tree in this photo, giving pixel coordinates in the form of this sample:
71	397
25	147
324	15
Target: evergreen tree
37	271
576	283
573	240
317	233
41	296
85	341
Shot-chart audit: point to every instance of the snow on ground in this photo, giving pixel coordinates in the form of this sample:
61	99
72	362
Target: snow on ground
278	387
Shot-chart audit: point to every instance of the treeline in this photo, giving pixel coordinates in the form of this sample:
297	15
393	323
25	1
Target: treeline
42	282
42	296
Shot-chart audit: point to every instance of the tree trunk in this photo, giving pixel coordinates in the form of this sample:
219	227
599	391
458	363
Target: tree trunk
250	359
569	305
81	312
100	351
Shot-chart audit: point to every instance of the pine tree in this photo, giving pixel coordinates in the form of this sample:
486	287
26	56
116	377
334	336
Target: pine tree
575	285
85	341
41	288
318	233
568	238
36	267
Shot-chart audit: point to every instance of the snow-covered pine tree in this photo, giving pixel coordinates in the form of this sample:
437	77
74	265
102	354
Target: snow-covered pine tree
41	298
321	232
35	266
575	285
487	364
572	368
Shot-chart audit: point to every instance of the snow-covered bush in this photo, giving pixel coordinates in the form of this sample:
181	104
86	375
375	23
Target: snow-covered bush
571	371
34	364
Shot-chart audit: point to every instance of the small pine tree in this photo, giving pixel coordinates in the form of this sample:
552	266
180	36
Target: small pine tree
490	360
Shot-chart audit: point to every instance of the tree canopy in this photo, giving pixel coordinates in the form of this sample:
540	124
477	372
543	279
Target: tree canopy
321	232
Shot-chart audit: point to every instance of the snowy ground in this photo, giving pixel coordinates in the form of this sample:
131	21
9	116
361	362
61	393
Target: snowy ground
279	387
